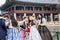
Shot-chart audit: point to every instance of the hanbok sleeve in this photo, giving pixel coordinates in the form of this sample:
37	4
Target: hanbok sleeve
20	22
44	21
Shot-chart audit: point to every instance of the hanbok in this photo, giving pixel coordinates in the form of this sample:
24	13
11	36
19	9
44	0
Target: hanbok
13	34
45	33
43	30
34	34
23	33
27	32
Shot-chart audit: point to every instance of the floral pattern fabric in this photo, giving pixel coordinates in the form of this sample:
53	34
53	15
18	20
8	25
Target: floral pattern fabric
13	34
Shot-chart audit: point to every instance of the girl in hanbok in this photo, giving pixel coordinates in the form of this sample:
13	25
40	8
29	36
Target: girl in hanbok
34	34
12	31
22	29
43	30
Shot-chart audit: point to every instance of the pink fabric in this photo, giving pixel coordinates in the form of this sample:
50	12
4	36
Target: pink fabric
23	33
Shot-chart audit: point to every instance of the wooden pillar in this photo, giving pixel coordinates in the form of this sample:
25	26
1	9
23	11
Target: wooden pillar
24	14
50	8
33	8
15	16
51	17
24	7
15	12
33	14
43	12
59	17
42	8
11	8
14	8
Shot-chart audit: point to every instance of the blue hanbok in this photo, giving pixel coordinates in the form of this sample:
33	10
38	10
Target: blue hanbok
13	34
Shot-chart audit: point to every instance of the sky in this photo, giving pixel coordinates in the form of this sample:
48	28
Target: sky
1	3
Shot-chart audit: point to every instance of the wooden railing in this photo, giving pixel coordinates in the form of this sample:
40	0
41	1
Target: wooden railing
30	11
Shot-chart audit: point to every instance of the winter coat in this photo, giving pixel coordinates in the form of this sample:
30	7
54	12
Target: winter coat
3	30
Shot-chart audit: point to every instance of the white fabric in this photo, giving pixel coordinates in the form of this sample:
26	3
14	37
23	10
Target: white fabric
1	17
34	34
43	21
21	22
7	22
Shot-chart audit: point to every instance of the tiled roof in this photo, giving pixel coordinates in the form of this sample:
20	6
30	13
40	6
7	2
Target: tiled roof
41	1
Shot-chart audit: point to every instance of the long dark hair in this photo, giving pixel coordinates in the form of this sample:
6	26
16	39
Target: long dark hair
41	17
14	22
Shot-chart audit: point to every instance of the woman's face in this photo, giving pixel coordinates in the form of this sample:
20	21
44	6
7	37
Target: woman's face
39	16
26	20
6	18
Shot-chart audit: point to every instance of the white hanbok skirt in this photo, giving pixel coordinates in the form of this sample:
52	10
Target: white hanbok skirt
34	34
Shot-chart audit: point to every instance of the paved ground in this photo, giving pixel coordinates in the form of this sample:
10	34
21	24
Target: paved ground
53	30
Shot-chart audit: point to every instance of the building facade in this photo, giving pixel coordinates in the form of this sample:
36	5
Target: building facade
21	8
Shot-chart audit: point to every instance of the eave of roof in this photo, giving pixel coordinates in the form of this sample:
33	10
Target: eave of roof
26	1
40	1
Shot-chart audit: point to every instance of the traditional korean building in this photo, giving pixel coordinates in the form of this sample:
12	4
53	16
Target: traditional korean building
48	8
